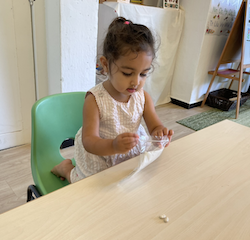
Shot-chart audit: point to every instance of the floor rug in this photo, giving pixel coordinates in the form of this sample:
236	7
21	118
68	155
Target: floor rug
205	119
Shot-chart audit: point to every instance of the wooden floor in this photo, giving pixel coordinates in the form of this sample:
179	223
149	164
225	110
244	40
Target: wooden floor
15	170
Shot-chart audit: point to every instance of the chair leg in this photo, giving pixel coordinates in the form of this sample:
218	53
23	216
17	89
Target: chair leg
32	190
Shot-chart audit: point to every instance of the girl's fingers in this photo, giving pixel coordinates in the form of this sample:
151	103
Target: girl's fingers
171	132
159	134
129	139
131	135
129	142
165	131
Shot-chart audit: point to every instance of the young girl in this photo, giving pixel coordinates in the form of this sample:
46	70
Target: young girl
113	109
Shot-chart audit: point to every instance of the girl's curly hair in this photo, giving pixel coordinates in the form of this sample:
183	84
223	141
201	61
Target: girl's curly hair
124	36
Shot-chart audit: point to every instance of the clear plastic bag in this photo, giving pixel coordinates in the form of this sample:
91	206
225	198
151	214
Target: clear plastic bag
152	143
151	148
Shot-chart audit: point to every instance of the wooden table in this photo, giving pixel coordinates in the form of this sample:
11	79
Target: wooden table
201	182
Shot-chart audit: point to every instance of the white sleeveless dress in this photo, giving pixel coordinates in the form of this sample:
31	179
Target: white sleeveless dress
115	118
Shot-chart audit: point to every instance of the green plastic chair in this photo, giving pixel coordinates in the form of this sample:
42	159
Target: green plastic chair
54	119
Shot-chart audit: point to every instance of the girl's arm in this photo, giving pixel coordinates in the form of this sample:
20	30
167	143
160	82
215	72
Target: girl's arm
152	121
90	133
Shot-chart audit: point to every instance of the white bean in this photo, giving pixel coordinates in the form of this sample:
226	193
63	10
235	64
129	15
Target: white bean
163	216
166	219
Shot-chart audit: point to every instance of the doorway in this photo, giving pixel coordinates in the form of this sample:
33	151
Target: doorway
17	91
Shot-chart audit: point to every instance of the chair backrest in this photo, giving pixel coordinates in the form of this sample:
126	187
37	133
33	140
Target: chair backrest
54	119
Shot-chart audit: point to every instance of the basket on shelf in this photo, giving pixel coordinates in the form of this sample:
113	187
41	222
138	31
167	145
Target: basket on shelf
226	99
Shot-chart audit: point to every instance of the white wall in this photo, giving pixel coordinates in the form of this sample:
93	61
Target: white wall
79	21
53	45
198	53
40	47
66	39
105	16
211	50
190	46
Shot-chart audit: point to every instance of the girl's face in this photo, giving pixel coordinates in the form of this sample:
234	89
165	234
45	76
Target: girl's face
128	74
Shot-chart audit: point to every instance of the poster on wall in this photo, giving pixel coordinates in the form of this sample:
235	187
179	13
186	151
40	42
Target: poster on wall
222	14
174	4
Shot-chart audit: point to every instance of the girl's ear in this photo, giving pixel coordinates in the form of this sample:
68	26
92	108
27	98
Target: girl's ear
104	63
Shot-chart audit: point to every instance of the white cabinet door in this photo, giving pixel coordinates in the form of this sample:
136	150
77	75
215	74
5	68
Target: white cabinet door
17	92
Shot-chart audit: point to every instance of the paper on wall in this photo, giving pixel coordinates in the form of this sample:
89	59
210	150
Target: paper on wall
221	16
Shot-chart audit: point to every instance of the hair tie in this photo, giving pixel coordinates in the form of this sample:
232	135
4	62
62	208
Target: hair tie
126	22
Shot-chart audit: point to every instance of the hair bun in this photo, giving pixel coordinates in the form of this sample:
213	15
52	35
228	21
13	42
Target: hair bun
123	35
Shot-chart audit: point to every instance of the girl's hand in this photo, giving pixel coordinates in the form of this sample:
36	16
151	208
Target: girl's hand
124	142
161	131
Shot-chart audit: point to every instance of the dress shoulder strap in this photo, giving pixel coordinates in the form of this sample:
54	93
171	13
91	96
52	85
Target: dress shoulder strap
99	92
